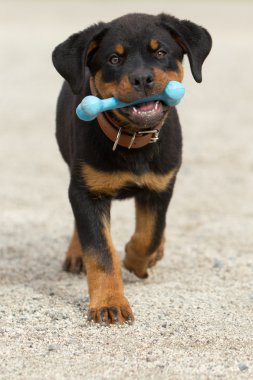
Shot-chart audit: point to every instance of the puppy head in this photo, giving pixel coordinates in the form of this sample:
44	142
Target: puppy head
133	57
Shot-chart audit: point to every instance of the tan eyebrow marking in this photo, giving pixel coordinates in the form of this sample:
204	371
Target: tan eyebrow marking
120	49
154	44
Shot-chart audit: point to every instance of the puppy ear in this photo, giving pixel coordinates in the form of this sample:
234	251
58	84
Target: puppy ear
70	57
195	41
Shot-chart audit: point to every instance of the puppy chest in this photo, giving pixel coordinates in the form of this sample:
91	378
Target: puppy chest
110	183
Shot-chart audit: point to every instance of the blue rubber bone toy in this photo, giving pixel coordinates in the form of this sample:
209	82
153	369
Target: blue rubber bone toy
91	106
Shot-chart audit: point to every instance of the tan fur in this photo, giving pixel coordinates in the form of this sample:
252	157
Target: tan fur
106	90
110	183
74	255
106	287
180	71
137	258
154	44
74	246
119	49
124	91
164	77
144	230
93	45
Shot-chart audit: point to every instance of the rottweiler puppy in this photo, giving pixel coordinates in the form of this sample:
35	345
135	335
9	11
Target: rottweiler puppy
129	152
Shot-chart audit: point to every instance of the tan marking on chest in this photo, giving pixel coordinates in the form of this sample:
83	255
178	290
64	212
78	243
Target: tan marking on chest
110	183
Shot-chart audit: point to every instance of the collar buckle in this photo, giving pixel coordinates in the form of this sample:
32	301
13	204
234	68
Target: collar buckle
153	139
155	135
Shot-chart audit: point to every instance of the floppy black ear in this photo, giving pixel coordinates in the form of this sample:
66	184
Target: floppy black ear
70	57
195	41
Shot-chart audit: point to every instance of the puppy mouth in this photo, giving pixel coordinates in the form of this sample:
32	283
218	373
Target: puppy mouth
147	113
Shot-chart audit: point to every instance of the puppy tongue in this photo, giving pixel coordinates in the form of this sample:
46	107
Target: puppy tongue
144	107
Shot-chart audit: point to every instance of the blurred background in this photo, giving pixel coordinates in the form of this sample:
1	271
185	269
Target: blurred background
209	229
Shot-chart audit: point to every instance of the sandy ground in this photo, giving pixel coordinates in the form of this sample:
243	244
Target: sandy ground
194	314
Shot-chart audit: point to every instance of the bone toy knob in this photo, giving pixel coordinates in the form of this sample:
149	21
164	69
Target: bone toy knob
91	106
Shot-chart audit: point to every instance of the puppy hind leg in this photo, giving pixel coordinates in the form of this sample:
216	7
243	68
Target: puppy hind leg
74	260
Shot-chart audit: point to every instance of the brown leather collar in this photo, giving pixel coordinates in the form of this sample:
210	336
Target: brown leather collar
124	138
119	136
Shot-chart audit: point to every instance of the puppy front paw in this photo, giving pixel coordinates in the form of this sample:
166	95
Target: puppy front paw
117	312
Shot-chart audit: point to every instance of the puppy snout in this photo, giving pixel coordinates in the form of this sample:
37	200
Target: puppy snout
142	81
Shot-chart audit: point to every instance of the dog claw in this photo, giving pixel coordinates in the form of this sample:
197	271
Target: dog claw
111	315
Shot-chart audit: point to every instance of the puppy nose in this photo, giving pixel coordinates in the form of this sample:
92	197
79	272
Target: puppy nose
142	81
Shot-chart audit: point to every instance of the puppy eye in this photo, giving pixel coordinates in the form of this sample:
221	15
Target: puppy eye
160	54
114	59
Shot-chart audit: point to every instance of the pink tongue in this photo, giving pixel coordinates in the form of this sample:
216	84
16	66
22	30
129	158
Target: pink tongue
149	106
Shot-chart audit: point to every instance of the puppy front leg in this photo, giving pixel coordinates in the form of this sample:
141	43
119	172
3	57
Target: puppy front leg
147	243
107	301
